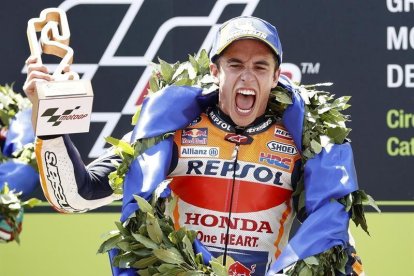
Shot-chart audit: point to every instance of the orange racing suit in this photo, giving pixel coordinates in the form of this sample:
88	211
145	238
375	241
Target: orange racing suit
234	186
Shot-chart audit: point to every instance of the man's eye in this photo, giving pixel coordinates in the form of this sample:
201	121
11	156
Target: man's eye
235	65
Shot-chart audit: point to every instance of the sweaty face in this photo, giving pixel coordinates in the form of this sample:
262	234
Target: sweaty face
246	74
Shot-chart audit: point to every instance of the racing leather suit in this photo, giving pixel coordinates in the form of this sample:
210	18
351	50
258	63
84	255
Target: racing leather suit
234	186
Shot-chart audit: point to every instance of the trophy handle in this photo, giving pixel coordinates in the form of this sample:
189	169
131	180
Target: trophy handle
54	40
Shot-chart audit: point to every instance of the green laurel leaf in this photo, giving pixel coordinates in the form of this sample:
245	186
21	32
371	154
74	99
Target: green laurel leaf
120	144
154	229
144	206
167	70
110	243
218	268
145	262
171	256
148	243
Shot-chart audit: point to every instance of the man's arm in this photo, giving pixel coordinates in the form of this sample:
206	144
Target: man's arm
67	183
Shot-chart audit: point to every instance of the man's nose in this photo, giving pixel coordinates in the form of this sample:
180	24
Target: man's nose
247	75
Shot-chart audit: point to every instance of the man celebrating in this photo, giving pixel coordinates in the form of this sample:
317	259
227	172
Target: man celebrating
233	167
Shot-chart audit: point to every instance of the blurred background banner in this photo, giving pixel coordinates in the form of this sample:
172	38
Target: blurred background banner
366	48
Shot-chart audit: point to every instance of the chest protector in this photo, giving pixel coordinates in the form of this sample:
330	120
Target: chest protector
235	190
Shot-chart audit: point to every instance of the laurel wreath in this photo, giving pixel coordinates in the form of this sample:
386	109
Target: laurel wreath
324	124
11	207
11	210
10	104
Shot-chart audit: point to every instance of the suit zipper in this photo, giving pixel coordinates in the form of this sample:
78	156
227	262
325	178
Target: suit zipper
235	158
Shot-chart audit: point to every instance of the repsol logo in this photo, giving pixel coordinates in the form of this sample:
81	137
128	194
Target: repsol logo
228	168
282	148
242	224
54	179
219	122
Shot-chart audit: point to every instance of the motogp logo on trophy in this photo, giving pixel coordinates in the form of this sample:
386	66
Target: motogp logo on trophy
65	116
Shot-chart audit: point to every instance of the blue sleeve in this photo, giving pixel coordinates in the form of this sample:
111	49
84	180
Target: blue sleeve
92	180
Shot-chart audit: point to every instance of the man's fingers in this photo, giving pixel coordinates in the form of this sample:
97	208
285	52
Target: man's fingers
36	67
36	72
33	60
29	87
34	75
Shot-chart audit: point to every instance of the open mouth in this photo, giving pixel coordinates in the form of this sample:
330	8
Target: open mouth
245	99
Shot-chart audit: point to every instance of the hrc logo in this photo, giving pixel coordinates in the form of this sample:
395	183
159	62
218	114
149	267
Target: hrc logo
271	159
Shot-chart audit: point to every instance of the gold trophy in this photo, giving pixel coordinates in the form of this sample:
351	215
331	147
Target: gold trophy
64	105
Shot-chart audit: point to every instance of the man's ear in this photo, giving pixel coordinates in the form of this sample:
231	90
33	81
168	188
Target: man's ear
214	71
276	77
